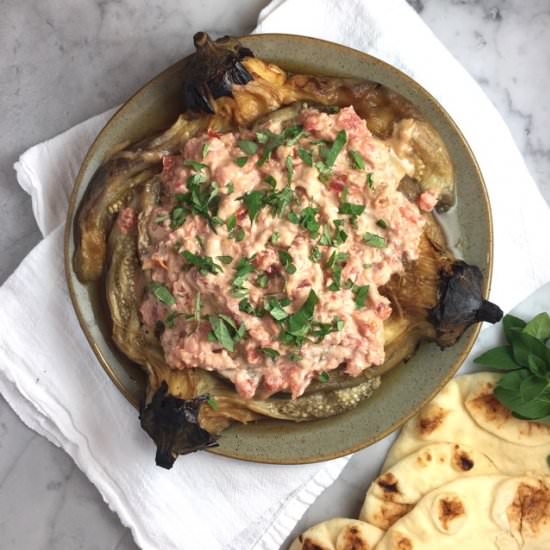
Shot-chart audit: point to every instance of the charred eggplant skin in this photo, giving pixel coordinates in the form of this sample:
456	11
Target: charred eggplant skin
173	425
461	302
212	71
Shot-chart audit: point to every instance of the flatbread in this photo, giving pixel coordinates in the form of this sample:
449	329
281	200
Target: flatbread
339	534
398	489
477	513
466	412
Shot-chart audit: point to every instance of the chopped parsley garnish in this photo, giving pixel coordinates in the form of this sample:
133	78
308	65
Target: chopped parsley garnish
200	199
170	319
247	307
213	403
286	261
161	293
323	377
293	356
247	146
271	181
243	268
271	141
205	264
335	264
307	221
254	202
382	223
335	148
237	234
270	352
197	309
177	216
357	160
320	330
305	155
198	166
204	150
275	237
262	280
370	180
340	236
361	293
231	222
275	307
299	323
225	259
374	240
289	169
315	254
161	217
351	209
293	217
230	188
225	331
241	161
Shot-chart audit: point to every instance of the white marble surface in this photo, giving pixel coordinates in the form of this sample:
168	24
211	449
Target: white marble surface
98	52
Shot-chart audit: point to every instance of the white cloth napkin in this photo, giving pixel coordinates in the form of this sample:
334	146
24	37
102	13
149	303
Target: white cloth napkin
52	380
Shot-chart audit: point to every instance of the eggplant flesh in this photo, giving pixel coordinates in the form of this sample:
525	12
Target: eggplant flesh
435	299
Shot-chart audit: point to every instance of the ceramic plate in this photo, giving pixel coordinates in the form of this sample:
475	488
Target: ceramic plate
405	388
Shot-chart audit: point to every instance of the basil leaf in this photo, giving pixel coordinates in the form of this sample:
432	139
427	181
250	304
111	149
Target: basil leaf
204	150
270	352
357	159
315	254
523	344
537	365
170	319
533	388
226	260
177	216
305	155
262	280
361	293
237	234
294	356
323	377
512	324
370	180
275	237
373	240
241	161
335	148
271	181
498	358
205	264
293	217
286	260
289	168
247	146
161	293
254	202
382	223
539	327
298	322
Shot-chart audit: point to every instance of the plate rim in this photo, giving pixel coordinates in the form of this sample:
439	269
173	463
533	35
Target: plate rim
468	344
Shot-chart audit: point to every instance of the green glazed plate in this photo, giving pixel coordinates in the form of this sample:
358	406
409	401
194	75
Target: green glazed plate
405	388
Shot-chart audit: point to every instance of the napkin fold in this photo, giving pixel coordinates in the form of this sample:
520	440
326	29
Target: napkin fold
51	378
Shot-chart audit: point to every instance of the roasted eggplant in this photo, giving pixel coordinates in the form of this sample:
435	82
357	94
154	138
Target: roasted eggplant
434	297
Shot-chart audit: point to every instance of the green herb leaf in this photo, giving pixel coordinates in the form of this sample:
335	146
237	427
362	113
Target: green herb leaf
248	147
197	308
286	260
315	254
382	223
230	188
512	324
293	356
305	155
205	264
270	352
351	209
373	240
361	293
204	150
498	358
198	166
298	323
254	202
271	181
357	160
293	217
289	168
275	308
539	327
226	260
323	377
262	280
243	268
221	332
161	293
237	234
213	403
231	222
370	180
170	319
241	161
177	216
335	148
275	237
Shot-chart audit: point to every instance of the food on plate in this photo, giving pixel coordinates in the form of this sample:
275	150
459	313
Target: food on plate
339	534
273	252
466	412
396	491
482	512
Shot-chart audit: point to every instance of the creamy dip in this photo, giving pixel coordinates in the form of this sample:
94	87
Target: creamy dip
268	247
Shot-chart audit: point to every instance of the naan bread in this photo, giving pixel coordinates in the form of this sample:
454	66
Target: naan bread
398	489
466	412
339	534
477	513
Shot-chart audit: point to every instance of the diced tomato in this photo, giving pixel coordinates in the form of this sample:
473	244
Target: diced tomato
337	184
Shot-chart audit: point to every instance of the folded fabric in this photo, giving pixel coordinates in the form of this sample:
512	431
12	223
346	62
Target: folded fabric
51	378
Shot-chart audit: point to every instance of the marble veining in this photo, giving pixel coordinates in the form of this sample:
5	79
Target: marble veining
97	53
